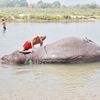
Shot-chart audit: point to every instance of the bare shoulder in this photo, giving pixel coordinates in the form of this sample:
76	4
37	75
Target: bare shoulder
37	36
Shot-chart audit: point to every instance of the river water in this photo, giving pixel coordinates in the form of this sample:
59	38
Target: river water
50	81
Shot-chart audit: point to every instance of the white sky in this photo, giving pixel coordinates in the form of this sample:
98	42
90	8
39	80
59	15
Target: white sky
69	2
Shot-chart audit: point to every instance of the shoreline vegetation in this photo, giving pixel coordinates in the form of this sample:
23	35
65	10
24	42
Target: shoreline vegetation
64	15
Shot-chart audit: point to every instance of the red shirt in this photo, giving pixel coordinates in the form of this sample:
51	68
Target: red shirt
27	45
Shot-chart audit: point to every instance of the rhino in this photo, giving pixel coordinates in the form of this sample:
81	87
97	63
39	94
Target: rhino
68	50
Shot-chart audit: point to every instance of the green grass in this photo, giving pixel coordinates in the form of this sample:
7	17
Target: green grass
53	15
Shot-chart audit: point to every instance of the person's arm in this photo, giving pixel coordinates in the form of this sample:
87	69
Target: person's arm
41	42
32	45
2	23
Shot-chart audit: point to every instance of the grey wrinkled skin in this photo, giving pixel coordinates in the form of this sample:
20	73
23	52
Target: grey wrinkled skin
67	50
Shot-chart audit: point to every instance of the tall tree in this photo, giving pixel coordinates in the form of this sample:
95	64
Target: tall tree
23	3
56	4
40	4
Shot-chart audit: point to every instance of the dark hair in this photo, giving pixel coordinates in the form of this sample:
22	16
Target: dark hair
3	20
43	37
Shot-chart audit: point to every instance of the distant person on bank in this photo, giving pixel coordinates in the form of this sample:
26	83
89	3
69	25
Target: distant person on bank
4	25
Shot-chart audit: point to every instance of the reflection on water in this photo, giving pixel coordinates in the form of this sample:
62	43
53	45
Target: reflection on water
50	82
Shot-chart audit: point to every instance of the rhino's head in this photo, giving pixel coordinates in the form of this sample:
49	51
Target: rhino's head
14	58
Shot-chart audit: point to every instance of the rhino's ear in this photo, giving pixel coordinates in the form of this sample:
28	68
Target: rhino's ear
18	59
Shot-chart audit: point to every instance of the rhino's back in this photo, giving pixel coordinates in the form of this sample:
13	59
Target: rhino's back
72	47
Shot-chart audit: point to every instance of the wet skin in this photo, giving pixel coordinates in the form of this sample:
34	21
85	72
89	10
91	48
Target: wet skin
67	50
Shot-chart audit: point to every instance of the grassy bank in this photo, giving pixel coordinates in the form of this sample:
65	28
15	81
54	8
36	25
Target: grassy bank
49	15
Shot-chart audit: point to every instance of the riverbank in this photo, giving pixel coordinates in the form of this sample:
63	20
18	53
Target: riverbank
49	15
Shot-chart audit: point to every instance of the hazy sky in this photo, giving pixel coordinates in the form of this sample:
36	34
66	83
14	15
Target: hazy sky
69	2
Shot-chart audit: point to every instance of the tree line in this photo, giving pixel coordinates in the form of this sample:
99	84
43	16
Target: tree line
24	3
13	3
92	6
41	4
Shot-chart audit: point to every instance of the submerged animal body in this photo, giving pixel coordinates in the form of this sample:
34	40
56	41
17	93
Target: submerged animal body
67	50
